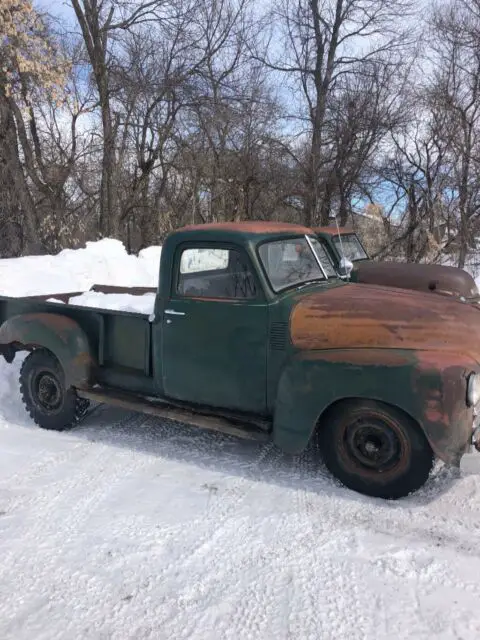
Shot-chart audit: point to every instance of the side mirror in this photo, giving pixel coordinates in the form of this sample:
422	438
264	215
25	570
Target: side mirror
345	268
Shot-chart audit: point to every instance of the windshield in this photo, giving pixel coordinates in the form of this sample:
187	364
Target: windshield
324	257
352	247
292	262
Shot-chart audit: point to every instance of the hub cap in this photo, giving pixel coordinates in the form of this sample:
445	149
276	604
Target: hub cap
47	391
372	443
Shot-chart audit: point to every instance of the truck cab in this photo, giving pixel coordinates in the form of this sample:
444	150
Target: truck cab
254	334
221	309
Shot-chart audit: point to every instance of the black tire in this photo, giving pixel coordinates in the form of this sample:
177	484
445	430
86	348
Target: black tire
42	385
375	449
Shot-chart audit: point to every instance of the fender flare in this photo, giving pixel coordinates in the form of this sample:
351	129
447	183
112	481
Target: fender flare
59	334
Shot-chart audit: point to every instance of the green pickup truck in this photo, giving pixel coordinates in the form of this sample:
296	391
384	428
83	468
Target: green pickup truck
253	334
351	260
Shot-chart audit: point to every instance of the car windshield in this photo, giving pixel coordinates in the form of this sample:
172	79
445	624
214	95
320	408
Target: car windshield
351	245
324	257
292	262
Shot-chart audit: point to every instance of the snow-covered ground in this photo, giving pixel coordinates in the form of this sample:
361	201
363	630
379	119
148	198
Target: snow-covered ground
130	528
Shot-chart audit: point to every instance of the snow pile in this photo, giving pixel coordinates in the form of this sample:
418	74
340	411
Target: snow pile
102	262
117	301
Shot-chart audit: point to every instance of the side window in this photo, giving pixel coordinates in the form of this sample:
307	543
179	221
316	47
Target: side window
215	273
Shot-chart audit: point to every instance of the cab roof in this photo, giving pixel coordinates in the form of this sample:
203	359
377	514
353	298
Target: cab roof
250	227
333	231
238	232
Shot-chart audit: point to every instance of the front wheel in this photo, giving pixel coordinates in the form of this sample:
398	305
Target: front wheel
375	449
42	385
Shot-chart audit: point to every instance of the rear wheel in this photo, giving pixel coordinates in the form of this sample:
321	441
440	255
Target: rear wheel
375	449
42	385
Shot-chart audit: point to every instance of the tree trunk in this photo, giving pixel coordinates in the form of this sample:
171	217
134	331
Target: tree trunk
412	224
109	214
11	168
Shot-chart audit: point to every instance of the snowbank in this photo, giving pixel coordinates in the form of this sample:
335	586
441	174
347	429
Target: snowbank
117	301
102	262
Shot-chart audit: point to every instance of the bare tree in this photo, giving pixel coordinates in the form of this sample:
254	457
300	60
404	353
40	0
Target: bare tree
31	70
322	42
455	91
100	21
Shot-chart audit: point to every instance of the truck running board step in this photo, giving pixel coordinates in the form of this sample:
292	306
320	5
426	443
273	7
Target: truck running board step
162	410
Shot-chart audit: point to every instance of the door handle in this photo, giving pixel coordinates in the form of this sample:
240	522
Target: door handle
171	312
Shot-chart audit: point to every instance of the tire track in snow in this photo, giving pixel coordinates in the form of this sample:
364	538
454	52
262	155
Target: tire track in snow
311	617
204	540
50	462
41	506
85	493
250	604
242	529
266	592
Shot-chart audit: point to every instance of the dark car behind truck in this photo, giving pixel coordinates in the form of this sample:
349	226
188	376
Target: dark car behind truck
445	280
262	341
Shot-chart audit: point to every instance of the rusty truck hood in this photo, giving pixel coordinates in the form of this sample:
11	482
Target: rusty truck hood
369	316
420	277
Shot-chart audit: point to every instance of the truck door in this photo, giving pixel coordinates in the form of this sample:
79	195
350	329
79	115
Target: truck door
214	334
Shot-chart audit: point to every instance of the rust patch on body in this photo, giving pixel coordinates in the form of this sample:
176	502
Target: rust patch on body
81	369
333	231
362	357
259	227
373	317
439	379
60	325
133	291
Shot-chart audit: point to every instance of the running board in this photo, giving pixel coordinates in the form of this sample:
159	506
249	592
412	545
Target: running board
162	410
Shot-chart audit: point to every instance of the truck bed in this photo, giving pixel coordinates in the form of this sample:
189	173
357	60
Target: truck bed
120	340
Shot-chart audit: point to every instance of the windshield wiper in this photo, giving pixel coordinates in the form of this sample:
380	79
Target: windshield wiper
308	282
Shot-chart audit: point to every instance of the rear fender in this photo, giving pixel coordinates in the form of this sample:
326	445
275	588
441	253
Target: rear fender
57	333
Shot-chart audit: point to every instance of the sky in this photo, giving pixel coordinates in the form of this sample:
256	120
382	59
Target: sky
63	10
59	8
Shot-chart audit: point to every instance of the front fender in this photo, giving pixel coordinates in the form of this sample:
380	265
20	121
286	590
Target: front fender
428	386
57	333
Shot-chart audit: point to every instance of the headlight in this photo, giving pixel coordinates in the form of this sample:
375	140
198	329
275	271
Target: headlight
473	389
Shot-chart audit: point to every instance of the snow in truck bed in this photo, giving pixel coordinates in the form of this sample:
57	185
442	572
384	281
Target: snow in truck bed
130	528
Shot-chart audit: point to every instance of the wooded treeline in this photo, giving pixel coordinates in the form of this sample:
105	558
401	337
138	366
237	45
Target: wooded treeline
134	118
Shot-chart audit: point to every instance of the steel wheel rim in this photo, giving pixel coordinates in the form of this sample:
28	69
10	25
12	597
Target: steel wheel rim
47	391
373	444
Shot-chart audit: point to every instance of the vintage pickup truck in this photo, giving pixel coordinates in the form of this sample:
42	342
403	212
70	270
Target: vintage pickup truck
350	259
262	340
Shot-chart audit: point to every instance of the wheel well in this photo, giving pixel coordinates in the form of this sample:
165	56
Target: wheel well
10	350
31	348
335	406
